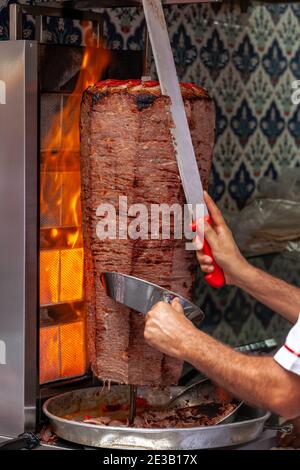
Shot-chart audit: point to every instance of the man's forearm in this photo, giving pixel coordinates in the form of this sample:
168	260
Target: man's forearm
275	293
257	380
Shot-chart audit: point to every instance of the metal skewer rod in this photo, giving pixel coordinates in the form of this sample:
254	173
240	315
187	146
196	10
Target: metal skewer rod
132	403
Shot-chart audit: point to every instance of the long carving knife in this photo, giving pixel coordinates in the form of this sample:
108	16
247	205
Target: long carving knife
182	140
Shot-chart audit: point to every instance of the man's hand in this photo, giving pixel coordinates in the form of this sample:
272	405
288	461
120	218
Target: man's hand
293	439
274	293
167	328
225	251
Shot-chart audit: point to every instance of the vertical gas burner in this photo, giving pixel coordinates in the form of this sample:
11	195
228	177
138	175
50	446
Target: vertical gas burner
62	346
62	338
42	318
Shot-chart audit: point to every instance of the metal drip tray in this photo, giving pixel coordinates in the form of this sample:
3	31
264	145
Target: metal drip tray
247	427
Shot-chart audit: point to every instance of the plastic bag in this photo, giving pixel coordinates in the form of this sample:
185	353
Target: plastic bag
271	223
287	186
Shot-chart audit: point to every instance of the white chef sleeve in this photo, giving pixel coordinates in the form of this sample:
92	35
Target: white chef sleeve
289	355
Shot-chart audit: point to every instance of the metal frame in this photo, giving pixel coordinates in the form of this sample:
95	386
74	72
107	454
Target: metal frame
19	280
97	4
127	3
16	12
20	392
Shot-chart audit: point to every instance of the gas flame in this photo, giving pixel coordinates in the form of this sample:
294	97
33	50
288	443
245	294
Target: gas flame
60	191
63	136
61	266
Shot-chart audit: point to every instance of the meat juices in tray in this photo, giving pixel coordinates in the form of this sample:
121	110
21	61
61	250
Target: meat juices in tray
117	415
127	150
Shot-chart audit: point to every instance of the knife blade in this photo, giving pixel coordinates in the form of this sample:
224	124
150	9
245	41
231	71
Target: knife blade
141	295
182	141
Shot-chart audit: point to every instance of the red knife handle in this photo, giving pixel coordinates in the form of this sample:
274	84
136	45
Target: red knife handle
216	278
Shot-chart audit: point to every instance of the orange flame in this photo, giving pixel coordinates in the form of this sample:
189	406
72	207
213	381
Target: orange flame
60	184
62	268
62	349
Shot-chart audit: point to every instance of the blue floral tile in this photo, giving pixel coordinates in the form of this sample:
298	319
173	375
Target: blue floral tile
213	314
198	76
272	124
217	8
28	27
264	262
4	22
289	267
229	90
242	186
257	154
259	92
276	11
294	126
232	26
214	55
63	31
198	16
263	314
271	172
261	27
113	39
136	41
295	7
283	96
185	52
238	312
289	33
245	58
221	120
274	62
227	155
285	153
244	123
126	19
217	185
295	64
27	21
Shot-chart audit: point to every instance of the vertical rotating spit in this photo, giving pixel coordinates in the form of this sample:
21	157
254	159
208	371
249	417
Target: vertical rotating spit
132	403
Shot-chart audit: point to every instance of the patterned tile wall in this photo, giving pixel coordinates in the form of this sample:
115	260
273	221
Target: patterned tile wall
247	62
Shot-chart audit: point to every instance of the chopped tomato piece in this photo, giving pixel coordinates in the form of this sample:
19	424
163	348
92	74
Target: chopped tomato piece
150	83
142	403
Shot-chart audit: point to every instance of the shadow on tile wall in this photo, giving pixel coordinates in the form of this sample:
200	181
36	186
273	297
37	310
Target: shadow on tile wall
247	63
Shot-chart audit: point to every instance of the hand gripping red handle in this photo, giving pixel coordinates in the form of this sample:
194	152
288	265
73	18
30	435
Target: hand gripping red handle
216	278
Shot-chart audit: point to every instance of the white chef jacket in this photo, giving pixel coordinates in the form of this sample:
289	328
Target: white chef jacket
289	355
